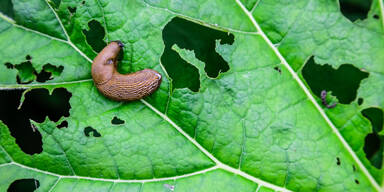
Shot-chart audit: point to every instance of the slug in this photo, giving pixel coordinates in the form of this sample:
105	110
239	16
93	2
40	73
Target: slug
117	86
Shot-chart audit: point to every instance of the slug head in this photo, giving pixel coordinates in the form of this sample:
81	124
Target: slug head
105	63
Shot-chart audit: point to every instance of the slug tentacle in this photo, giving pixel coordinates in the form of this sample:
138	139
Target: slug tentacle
117	86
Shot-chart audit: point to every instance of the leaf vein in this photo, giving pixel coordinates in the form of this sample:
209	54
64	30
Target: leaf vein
198	21
54	185
114	180
382	11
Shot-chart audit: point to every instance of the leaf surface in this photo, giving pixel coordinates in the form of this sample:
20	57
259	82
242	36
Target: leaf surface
255	127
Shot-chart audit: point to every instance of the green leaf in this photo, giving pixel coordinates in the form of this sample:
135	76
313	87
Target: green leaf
257	126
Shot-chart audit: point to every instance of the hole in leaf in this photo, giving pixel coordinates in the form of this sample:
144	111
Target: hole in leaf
375	115
18	123
62	125
37	105
376	16
9	65
24	185
277	69
373	145
357	181
95	35
200	39
83	2
117	121
360	101
354	10
6	7
373	149
47	72
173	63
55	70
89	129
353	168
43	76
27	73
338	161
28	57
72	10
343	82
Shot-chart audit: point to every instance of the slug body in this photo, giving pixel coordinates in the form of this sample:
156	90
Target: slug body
117	86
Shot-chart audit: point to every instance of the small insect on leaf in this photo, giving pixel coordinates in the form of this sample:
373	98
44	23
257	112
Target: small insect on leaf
170	187
324	101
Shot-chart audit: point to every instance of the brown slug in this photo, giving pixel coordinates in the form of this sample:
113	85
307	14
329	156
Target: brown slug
117	86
